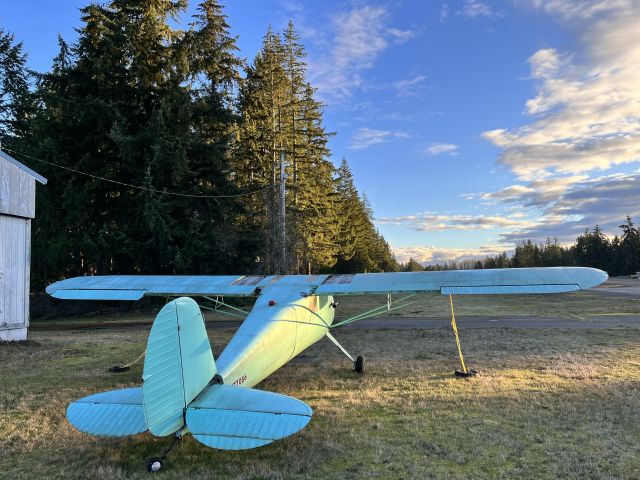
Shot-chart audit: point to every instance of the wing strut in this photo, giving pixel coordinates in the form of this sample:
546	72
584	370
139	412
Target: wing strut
464	373
342	349
358	362
375	312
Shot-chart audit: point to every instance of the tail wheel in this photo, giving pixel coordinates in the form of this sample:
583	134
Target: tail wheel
155	465
359	364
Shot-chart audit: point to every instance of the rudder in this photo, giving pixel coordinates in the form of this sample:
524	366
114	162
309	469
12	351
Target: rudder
178	365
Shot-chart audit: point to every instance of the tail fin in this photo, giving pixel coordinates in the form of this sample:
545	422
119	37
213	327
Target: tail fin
178	365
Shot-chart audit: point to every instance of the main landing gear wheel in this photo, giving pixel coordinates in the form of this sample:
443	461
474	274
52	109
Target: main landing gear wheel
358	365
155	465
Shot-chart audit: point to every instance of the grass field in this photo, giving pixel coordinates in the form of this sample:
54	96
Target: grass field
548	404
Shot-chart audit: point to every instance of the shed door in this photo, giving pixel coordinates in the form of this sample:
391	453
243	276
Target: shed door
15	250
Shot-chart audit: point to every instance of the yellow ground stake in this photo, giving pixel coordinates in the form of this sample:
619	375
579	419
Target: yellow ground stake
455	331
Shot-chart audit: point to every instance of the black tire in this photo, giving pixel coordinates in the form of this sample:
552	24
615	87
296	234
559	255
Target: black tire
155	465
359	364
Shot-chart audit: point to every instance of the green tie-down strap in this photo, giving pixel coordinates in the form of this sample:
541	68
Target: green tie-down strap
178	365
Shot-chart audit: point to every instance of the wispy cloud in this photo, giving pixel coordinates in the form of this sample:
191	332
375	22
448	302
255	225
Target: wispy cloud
401	36
410	87
603	201
441	149
572	10
539	193
368	137
291	6
429	254
360	35
444	12
432	222
475	9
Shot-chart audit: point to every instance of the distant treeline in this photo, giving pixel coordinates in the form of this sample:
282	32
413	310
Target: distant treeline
151	111
619	256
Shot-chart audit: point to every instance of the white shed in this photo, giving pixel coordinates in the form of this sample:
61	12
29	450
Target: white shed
17	208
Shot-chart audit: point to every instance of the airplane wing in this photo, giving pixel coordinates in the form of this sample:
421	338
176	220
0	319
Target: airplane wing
465	282
459	282
134	287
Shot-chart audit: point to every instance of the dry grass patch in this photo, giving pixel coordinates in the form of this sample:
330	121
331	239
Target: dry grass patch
548	404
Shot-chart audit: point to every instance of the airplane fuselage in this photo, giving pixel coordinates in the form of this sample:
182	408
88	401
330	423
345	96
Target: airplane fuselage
281	324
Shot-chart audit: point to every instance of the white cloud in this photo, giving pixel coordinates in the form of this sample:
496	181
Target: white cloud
588	113
409	87
475	9
585	120
444	12
360	36
429	254
291	6
401	36
574	10
603	201
545	63
441	149
540	193
432	222
368	137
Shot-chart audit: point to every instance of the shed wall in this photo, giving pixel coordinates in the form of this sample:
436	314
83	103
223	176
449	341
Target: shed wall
17	191
15	259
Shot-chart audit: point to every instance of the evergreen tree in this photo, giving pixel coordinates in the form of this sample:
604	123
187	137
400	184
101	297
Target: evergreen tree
629	248
354	253
259	143
279	114
137	102
527	254
413	266
592	249
16	103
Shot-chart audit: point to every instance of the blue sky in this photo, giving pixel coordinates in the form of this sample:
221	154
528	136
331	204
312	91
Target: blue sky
469	125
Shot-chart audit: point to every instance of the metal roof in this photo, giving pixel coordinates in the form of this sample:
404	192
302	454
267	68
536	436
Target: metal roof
22	167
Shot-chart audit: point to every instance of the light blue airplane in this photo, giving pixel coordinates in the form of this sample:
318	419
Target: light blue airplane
185	391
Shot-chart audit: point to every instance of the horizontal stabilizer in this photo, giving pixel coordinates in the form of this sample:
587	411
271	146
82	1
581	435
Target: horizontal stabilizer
237	418
115	413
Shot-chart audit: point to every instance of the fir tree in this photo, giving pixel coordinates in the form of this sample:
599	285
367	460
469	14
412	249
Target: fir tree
629	248
279	114
123	104
16	103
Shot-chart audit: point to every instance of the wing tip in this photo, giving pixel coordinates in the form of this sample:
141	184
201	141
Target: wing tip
593	277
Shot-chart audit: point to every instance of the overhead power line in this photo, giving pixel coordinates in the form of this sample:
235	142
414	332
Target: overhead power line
154	190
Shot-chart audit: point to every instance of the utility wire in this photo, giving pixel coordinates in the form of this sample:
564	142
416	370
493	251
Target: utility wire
162	192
